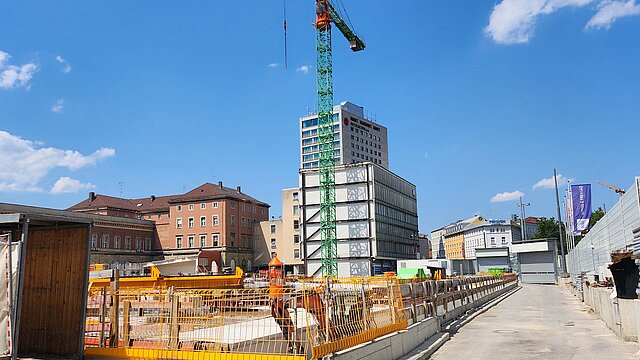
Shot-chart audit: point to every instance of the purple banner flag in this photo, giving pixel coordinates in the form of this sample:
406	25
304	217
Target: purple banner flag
581	201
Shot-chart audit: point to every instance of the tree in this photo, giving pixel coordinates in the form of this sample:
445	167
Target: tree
548	228
596	216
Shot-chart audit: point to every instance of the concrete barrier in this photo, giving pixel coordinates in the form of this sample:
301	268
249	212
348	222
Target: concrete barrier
399	344
622	316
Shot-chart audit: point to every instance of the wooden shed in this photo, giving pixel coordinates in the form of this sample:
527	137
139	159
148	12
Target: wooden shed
48	298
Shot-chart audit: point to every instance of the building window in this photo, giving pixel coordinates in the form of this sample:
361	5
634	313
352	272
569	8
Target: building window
147	244
203	240
215	239
296	209
215	220
178	242
215	204
233	205
105	241
243	222
191	222
504	240
493	240
191	239
295	196
179	208
127	242
116	241
94	241
296	253
233	220
296	224
244	207
296	239
138	243
273	243
232	238
190	207
179	223
203	221
273	229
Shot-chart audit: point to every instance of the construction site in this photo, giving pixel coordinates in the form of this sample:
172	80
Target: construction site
352	292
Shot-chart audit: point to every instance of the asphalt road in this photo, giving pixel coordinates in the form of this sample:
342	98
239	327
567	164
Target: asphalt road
537	322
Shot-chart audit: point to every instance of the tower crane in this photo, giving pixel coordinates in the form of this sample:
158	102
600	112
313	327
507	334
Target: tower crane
325	15
618	190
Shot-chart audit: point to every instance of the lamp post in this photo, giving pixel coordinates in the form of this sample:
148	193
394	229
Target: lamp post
523	225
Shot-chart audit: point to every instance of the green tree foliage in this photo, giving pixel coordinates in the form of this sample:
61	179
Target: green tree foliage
548	228
595	217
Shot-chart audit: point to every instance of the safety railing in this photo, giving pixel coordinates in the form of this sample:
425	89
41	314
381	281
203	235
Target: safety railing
308	320
423	299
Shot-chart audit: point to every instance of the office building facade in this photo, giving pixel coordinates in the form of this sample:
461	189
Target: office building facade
376	214
356	139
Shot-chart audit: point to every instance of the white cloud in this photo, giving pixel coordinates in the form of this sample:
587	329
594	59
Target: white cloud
513	21
548	183
68	185
24	163
66	67
12	75
58	106
273	65
610	10
304	69
507	196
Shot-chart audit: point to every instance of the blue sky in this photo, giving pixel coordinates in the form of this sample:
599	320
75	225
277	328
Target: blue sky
480	97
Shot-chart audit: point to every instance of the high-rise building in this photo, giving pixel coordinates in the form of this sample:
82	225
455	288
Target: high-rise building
376	215
357	139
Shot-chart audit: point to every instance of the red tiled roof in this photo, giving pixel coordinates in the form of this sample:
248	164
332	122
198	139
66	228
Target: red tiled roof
531	220
104	201
148	204
158	203
210	191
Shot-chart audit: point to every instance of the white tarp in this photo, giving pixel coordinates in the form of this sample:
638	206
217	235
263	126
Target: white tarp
5	303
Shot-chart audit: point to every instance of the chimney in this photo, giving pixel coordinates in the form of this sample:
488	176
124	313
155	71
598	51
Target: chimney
220	184
153	198
239	190
92	196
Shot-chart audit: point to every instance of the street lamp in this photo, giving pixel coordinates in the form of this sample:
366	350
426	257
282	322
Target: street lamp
523	226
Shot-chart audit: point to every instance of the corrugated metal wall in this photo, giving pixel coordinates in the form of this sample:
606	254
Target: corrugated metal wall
51	318
592	252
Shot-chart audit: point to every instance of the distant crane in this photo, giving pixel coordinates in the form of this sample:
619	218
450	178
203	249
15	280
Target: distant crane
618	190
325	15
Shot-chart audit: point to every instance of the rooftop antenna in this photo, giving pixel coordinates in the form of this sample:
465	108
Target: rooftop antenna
120	184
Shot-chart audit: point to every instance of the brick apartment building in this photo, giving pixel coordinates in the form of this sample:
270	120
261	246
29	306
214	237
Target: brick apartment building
209	217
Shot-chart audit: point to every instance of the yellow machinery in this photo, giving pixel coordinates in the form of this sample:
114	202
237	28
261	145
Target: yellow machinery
158	281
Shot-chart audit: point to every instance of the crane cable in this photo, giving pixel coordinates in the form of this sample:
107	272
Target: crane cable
284	7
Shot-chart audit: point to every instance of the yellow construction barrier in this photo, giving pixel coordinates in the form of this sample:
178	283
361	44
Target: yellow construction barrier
308	319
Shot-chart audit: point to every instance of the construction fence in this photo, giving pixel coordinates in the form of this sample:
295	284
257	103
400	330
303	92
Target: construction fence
308	320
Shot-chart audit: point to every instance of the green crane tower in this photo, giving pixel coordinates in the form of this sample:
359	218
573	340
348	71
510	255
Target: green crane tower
325	15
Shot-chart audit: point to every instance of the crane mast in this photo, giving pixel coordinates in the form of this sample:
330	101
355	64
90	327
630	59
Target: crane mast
325	14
